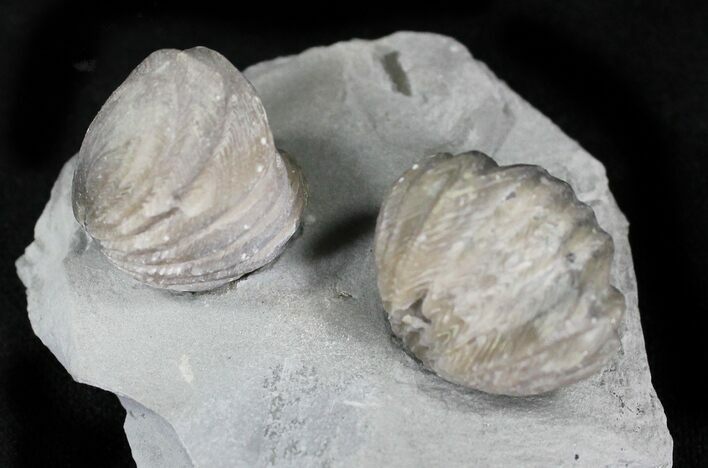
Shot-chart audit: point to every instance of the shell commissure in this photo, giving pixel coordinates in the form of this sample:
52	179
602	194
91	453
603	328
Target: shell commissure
496	278
178	179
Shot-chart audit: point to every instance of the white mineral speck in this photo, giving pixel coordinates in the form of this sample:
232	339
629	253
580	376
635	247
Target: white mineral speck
186	369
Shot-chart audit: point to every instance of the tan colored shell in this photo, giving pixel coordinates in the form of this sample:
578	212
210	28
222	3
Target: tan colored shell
178	178
497	278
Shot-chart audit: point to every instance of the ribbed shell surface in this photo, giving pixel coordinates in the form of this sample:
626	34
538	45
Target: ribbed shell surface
496	278
178	178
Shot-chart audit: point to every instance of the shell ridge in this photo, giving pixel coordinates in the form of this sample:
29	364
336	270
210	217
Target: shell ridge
403	258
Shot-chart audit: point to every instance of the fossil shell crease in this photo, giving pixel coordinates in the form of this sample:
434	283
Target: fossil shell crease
496	278
178	179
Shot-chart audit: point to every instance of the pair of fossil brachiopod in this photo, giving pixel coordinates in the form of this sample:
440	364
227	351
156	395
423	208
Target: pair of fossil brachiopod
496	278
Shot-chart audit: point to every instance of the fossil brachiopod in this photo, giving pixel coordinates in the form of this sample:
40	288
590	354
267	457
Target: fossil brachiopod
496	278
178	178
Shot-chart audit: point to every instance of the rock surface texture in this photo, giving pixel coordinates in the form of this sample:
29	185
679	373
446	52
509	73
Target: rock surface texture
294	365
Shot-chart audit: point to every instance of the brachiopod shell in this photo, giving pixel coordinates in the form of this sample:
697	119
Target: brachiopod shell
496	278
178	178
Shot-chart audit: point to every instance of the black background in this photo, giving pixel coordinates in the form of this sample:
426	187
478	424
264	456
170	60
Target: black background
628	80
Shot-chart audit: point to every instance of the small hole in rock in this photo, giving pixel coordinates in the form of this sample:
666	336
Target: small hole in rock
396	73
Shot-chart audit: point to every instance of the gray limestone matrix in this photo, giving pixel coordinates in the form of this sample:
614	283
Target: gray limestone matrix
294	364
